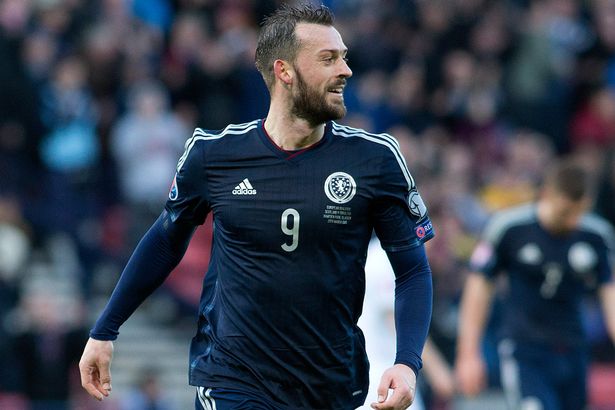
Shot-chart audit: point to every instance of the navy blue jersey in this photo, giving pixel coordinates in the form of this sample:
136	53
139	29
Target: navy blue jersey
547	274
285	285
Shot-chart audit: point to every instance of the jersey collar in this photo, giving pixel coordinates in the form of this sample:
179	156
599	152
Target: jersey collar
293	155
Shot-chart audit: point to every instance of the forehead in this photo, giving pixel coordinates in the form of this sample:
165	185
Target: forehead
564	203
316	37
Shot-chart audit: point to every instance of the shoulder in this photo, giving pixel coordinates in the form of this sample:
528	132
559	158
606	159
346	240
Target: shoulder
202	140
211	136
359	136
379	147
594	224
510	218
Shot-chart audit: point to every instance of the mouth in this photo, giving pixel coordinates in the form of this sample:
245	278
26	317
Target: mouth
338	91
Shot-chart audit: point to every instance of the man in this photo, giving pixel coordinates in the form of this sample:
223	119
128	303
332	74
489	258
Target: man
295	198
551	251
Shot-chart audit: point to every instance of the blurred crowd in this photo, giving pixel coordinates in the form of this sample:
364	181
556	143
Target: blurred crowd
98	98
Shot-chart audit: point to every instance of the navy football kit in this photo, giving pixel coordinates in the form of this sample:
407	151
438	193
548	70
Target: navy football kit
285	285
543	348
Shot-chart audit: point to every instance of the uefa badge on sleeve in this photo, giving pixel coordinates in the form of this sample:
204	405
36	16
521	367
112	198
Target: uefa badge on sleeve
416	204
173	191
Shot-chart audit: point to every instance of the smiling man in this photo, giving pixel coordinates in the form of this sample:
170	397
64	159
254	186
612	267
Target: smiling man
295	198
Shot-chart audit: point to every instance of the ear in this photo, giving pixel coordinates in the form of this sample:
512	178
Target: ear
283	71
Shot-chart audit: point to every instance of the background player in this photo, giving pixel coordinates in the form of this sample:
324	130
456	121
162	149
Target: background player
295	198
551	251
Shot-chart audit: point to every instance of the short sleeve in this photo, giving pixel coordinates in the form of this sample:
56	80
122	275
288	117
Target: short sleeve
606	266
486	258
188	199
606	252
400	217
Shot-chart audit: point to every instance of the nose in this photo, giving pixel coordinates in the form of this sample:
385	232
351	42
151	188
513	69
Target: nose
346	72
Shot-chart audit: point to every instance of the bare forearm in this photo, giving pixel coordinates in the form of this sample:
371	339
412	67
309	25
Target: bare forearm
438	372
475	306
607	298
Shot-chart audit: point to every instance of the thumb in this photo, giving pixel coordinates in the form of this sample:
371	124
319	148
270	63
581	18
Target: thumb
383	387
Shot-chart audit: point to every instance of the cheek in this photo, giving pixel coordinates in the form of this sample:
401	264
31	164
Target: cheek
568	223
573	220
570	218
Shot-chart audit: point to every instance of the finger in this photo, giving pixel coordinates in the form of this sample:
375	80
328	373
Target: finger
97	384
105	376
92	391
383	387
380	406
382	401
393	402
84	374
89	381
402	396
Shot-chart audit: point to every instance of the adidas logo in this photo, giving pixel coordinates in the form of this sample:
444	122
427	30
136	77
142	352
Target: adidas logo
244	188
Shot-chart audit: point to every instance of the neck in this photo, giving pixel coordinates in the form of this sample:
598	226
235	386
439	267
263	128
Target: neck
290	132
548	220
543	212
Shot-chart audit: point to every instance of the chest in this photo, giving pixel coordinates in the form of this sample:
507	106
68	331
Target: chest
275	204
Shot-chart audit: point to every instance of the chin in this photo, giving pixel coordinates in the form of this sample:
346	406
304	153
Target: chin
337	111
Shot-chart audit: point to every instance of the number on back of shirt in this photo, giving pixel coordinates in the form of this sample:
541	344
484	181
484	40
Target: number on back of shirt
553	277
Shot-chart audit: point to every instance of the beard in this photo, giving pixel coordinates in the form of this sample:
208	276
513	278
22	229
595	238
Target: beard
311	104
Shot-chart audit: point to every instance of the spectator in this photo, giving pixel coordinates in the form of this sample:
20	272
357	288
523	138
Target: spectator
48	349
15	246
148	394
146	143
594	124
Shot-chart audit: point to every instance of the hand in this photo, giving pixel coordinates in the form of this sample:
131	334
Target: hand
94	367
402	380
442	382
471	373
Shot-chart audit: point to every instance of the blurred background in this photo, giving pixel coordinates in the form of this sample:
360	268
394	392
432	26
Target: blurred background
97	98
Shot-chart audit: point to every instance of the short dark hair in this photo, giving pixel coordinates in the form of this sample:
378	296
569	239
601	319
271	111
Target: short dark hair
277	38
569	178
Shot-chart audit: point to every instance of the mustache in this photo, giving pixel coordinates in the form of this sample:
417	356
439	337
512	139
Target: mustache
339	83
